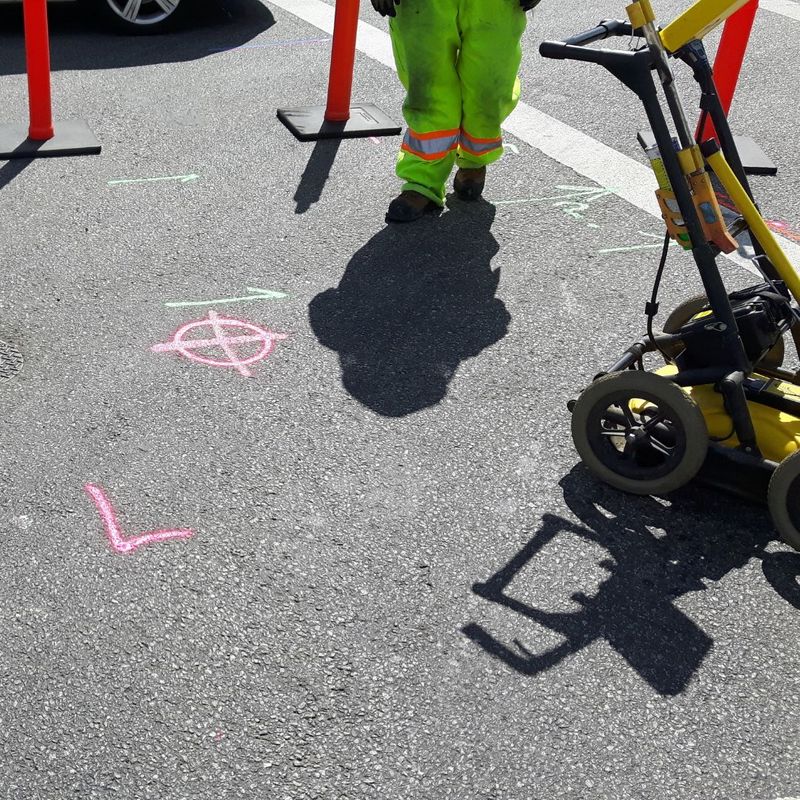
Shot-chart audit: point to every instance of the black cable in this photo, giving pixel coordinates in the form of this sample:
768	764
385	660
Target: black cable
723	438
651	308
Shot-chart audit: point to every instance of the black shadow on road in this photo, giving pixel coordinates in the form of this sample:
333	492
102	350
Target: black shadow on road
10	169
78	41
633	609
782	570
413	303
316	173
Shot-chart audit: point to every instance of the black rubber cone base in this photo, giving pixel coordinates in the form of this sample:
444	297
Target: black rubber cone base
72	138
309	124
754	160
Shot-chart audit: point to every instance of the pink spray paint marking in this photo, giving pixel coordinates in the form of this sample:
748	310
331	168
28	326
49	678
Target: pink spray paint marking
119	543
222	340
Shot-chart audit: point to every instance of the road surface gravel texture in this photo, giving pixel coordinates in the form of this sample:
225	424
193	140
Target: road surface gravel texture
398	581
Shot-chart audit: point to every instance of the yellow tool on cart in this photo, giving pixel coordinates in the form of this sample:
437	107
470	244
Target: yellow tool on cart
724	407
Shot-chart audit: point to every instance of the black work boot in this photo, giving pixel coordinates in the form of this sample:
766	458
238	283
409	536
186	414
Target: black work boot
409	206
468	183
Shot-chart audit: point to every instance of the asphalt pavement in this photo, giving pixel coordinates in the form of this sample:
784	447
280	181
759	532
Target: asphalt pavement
348	551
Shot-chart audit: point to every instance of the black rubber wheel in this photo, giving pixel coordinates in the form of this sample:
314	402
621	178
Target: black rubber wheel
694	305
783	499
653	450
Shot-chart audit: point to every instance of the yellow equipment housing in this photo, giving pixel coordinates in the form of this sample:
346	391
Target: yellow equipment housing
777	433
697	21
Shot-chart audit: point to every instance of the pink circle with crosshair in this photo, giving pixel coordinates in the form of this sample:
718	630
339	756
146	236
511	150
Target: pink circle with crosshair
224	340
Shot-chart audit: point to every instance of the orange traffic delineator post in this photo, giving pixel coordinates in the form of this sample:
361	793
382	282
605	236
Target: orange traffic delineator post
41	137
339	119
727	67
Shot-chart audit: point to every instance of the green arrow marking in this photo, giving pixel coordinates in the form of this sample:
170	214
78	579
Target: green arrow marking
254	294
585	194
181	178
634	247
630	249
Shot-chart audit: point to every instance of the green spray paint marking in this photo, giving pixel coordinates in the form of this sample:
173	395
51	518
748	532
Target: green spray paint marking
573	201
254	294
584	194
181	178
631	248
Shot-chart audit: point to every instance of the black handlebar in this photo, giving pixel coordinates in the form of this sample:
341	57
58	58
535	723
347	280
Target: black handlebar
604	29
571	48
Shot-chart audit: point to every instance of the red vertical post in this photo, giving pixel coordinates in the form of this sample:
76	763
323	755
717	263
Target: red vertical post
343	56
37	54
728	63
339	119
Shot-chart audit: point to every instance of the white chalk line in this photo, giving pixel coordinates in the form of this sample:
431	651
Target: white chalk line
629	179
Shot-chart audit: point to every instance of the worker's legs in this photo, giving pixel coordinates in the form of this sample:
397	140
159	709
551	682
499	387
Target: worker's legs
487	66
426	43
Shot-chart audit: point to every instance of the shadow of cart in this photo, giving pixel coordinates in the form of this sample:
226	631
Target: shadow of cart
657	552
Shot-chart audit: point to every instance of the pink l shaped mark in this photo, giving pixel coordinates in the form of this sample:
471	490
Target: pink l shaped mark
118	542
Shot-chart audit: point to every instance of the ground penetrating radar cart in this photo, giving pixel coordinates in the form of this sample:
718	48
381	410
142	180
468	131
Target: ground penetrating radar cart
723	403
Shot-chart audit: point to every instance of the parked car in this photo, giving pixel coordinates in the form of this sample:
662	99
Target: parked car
135	16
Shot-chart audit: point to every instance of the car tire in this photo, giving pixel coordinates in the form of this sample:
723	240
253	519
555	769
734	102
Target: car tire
140	17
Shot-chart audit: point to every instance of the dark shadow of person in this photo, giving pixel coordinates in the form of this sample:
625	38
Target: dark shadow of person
657	553
413	303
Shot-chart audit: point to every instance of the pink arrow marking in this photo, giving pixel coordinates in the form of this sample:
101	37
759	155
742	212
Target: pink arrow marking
114	534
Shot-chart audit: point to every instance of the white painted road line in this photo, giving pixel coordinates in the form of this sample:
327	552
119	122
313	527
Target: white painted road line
629	179
786	8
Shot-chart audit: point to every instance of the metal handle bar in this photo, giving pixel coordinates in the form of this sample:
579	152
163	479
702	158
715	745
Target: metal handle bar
573	47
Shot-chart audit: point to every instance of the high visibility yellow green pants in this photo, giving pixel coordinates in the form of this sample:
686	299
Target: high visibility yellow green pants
458	61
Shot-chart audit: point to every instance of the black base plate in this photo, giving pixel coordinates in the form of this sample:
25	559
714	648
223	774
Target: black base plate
747	477
309	124
72	138
754	159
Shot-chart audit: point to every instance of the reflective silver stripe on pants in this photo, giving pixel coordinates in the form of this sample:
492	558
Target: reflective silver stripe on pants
473	146
435	147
